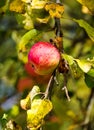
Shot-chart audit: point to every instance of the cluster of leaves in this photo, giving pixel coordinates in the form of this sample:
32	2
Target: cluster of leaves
35	18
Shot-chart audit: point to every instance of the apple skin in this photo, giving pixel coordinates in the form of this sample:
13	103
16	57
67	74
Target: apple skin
24	83
39	79
44	58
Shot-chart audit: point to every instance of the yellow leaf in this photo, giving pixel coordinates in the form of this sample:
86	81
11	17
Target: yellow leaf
39	109
26	103
17	6
44	20
28	22
12	125
89	4
26	1
54	9
38	4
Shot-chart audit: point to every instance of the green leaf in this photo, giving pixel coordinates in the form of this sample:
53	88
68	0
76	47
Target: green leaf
88	3
88	28
68	58
84	65
91	72
22	50
76	71
89	81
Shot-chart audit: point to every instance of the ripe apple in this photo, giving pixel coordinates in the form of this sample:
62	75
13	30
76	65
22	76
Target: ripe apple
39	79
24	83
43	58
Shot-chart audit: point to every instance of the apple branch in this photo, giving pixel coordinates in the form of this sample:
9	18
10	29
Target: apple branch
89	110
63	67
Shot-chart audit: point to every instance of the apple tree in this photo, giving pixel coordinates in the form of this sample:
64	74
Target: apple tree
47	64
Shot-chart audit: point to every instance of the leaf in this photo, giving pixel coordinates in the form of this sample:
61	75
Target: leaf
91	72
84	65
54	9
39	109
36	4
28	22
26	103
89	81
88	3
76	71
89	29
69	58
12	125
44	20
22	50
17	6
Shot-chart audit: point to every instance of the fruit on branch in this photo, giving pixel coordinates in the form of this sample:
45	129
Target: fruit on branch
43	58
39	79
24	83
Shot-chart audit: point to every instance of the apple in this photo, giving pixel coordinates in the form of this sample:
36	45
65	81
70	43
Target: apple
39	79
25	83
43	58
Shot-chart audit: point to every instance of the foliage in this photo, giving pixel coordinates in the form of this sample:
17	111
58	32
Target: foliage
30	101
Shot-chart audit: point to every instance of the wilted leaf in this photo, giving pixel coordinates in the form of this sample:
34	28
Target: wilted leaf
89	81
88	3
12	125
28	22
26	1
55	10
17	6
26	103
87	27
44	20
85	66
36	4
39	109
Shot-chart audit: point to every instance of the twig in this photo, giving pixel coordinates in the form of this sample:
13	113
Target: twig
66	91
55	79
49	87
88	112
58	1
65	87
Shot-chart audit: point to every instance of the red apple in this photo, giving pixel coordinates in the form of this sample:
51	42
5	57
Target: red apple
25	83
39	79
43	58
30	71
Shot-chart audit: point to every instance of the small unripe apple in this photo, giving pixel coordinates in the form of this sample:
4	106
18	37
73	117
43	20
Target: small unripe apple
44	58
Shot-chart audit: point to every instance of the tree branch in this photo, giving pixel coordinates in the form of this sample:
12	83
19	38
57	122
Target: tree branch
88	112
